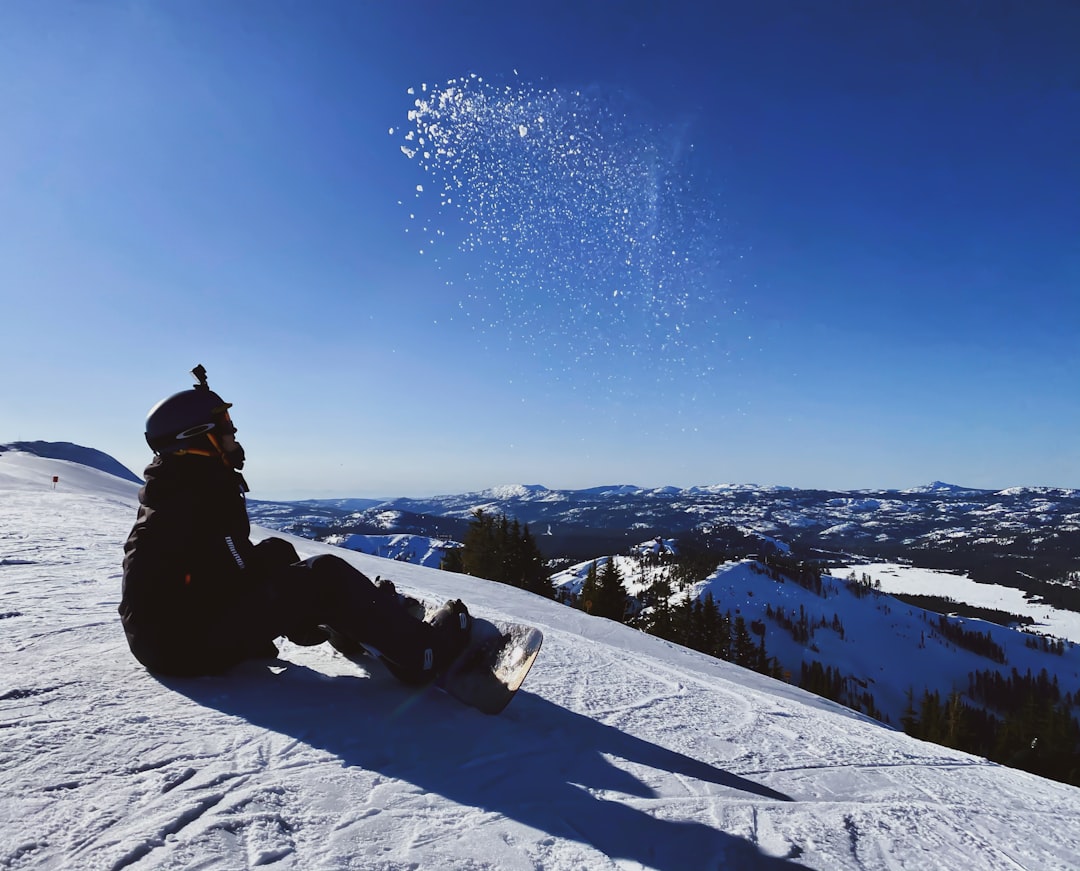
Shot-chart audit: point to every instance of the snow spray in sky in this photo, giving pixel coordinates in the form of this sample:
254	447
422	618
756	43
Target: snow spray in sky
584	232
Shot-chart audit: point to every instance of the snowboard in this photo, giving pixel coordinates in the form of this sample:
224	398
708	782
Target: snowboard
491	669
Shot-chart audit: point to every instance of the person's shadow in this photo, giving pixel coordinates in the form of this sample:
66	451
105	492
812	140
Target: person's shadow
536	763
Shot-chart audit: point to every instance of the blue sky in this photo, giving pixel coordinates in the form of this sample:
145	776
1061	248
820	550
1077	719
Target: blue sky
822	245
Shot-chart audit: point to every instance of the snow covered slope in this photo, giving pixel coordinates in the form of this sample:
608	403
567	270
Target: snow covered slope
79	454
27	472
421	550
881	645
896	578
622	751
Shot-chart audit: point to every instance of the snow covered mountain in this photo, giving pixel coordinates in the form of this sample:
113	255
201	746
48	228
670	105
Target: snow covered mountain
622	751
1009	537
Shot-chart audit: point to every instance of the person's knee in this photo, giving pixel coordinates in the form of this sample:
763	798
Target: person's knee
274	552
330	565
326	562
338	585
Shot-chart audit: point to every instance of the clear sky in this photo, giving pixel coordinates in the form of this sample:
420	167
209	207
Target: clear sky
825	245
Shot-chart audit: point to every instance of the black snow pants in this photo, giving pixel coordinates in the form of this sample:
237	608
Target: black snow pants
297	599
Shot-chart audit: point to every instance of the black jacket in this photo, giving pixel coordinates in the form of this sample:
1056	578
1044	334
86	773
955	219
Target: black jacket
189	567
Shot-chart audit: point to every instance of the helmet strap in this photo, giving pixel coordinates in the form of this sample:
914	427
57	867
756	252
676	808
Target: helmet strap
205	452
194	452
220	454
234	459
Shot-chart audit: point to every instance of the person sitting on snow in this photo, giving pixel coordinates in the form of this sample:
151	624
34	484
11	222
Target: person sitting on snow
199	597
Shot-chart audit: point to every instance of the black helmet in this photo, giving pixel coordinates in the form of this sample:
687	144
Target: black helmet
176	422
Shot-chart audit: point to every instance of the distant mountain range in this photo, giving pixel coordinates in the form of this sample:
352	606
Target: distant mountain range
1008	536
1022	537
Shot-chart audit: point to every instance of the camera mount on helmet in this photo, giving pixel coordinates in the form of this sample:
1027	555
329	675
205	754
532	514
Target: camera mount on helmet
200	377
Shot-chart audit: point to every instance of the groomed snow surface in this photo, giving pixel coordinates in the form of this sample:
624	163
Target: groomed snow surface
622	751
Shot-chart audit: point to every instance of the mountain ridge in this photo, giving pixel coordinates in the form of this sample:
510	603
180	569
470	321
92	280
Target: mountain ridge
1002	535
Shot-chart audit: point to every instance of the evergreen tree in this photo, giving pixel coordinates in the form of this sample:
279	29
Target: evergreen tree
452	562
694	634
479	556
658	619
500	550
682	621
930	718
590	590
611	595
744	650
723	637
710	628
910	719
534	576
955	722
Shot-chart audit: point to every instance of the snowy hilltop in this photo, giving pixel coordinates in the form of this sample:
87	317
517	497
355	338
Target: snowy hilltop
622	750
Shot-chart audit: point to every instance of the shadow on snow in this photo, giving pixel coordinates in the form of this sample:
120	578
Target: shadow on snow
537	763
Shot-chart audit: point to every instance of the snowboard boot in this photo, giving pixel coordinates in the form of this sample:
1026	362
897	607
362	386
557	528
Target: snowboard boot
453	624
387	589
